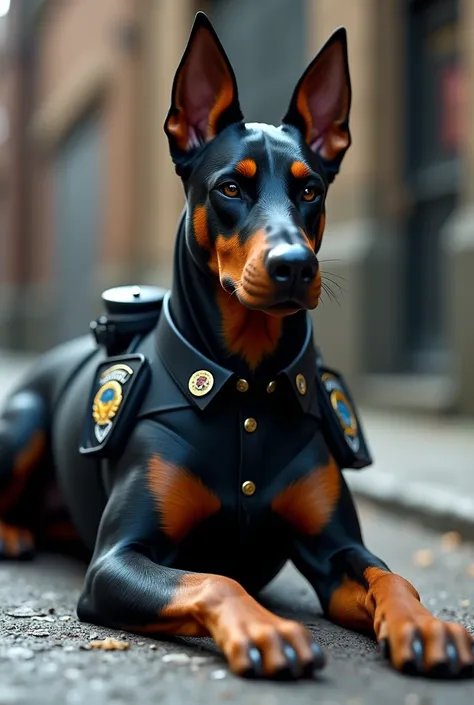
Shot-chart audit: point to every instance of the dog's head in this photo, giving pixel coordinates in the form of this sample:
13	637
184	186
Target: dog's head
256	193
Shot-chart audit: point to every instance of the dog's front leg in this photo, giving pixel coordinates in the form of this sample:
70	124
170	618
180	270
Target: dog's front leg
133	583
358	590
125	590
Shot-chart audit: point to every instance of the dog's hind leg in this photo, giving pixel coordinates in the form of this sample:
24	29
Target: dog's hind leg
23	442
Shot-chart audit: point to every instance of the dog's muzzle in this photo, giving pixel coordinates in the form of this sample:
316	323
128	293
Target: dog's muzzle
292	269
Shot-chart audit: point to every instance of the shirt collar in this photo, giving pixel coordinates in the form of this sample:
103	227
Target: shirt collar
200	379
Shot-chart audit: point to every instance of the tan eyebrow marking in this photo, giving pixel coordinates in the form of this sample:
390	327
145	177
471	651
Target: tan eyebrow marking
247	167
300	170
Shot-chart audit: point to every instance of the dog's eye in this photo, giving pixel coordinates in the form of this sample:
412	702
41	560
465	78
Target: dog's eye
309	194
231	190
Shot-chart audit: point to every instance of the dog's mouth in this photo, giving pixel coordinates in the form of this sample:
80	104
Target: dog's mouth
284	308
279	308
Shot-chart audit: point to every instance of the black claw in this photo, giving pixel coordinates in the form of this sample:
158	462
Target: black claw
453	658
418	653
256	668
294	664
440	670
385	648
319	660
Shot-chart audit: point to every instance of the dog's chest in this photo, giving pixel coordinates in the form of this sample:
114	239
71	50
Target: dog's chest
230	461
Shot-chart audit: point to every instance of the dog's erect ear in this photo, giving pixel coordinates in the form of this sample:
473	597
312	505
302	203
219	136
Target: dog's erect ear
204	95
321	103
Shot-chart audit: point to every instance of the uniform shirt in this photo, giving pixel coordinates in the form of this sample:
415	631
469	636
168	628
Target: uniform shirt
221	452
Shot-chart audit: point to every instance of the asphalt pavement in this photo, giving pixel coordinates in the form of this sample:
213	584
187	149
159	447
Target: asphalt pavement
47	658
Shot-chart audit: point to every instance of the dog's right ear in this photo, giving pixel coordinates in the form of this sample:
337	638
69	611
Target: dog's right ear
204	95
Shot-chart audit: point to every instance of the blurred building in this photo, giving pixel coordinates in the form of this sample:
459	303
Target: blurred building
89	199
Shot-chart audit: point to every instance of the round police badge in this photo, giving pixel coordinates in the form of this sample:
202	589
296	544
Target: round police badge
301	384
106	404
201	383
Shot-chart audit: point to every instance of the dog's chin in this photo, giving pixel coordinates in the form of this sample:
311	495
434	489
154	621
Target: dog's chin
280	309
276	307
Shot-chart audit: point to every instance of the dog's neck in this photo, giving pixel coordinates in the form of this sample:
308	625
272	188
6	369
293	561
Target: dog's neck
215	323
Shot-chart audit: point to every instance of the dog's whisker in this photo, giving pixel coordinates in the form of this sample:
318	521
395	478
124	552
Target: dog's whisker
334	296
335	283
333	274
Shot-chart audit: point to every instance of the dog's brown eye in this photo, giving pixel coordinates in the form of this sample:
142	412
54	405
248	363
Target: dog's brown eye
231	190
309	194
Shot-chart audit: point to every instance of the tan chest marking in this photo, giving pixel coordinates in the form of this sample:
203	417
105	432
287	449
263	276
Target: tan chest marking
309	503
182	500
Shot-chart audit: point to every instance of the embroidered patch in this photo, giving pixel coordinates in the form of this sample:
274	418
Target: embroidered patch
117	391
343	410
108	399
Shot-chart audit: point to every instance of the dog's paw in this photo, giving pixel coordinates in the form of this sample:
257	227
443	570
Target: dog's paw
16	543
427	646
259	644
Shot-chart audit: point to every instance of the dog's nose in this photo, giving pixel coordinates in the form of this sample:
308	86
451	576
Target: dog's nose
292	264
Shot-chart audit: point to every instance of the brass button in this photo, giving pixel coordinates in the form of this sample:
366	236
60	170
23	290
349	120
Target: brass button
242	385
248	488
301	384
250	425
271	386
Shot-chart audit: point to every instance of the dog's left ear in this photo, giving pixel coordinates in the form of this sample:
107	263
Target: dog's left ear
204	94
321	103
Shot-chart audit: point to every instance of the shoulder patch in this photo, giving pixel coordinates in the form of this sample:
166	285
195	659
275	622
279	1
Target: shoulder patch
340	421
118	389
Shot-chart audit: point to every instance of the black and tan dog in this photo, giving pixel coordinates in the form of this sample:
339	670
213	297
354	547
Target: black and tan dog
208	466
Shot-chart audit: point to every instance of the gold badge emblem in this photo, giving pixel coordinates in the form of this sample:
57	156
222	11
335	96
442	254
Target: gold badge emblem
201	383
108	399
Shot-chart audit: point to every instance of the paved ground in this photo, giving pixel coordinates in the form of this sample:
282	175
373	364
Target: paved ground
423	466
43	661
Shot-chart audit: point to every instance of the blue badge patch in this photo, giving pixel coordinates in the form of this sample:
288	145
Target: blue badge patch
343	410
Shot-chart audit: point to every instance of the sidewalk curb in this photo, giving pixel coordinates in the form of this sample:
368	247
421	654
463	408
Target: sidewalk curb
436	508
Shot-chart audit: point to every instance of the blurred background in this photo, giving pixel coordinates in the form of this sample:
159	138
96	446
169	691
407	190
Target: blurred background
89	199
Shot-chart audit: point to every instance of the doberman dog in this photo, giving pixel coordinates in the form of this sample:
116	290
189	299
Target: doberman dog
209	465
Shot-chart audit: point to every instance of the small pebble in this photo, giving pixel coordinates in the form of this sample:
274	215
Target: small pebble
38	632
72	674
199	660
423	558
37	618
22	612
153	647
65	618
69	648
20	653
179	659
110	644
219	674
451	540
465	603
412	699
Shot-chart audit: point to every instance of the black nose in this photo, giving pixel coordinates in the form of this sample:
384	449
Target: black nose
292	264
